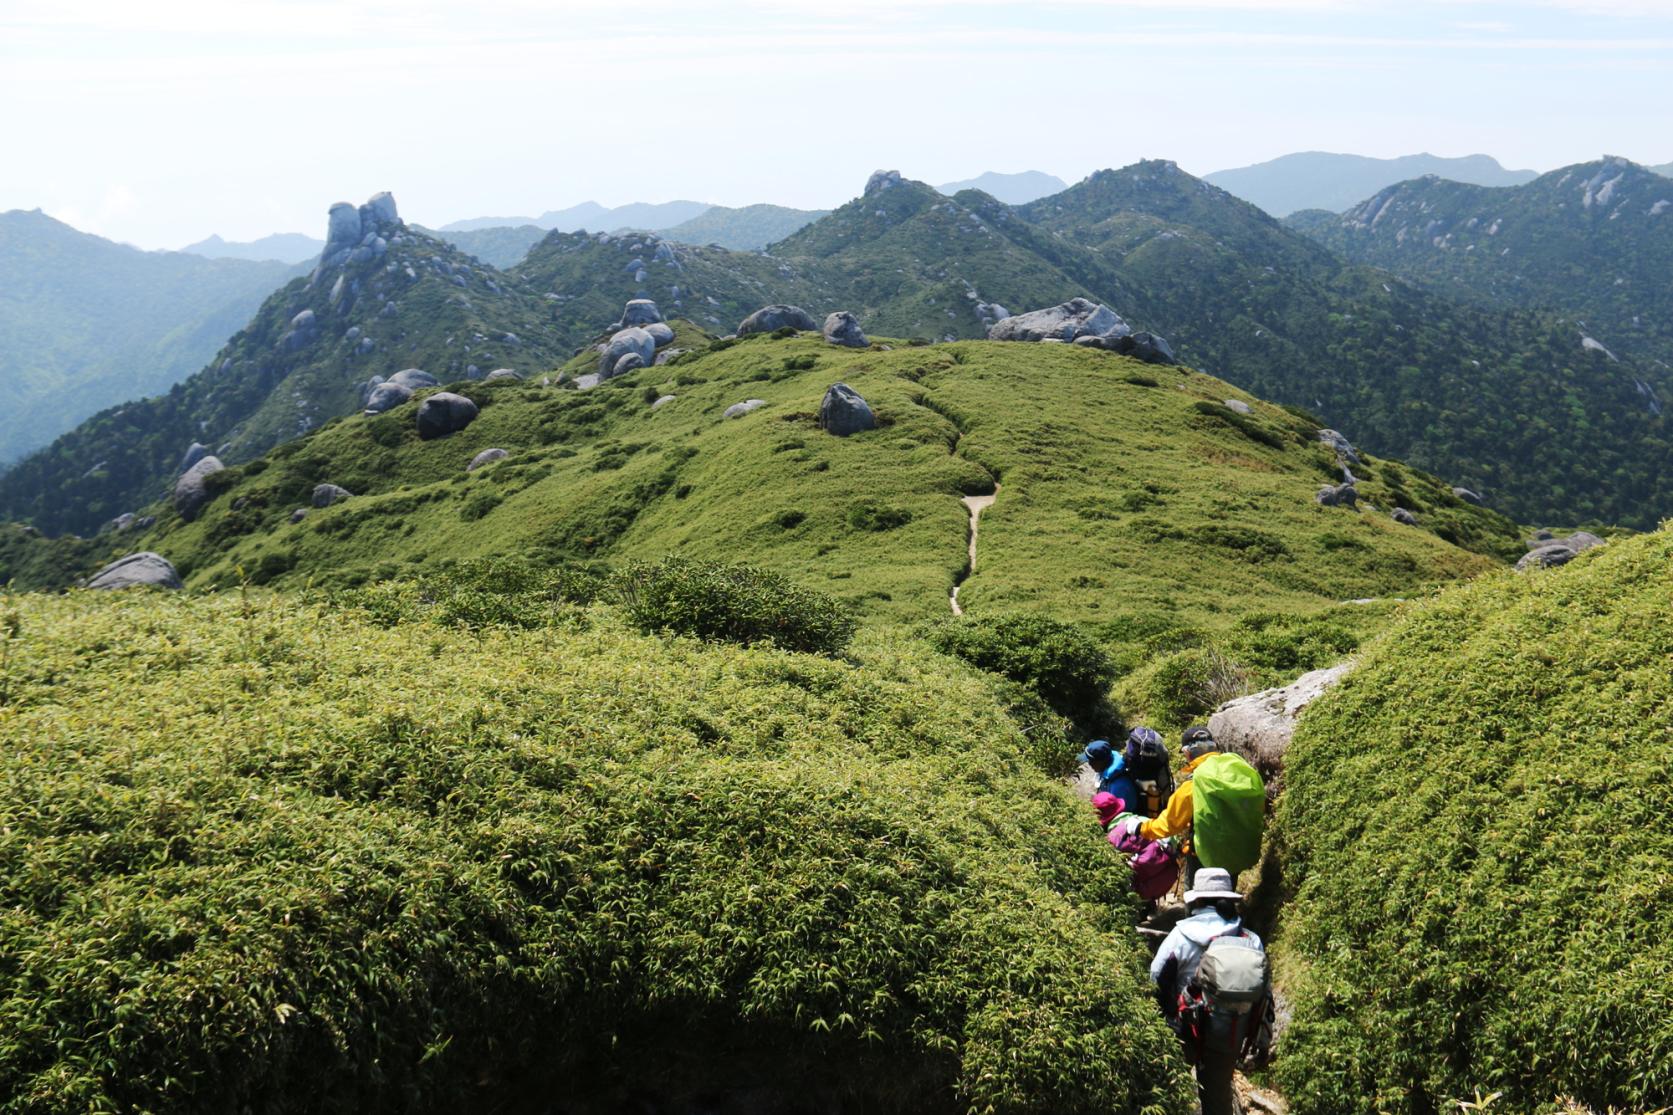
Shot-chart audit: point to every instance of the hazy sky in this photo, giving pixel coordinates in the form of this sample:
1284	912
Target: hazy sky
161	121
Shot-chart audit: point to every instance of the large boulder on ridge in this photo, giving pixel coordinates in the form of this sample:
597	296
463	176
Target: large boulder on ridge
191	491
387	396
135	570
1558	551
632	340
770	319
327	494
444	413
843	411
640	311
843	328
414	379
1078	317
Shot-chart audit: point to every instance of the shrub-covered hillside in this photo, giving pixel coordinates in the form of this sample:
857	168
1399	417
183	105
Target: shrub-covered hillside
1126	490
1475	826
311	862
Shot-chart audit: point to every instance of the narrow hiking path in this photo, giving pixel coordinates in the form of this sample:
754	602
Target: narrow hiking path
976	505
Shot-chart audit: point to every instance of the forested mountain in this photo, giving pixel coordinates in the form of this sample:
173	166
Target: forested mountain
1593	242
399	299
1323	180
85	322
590	215
502	246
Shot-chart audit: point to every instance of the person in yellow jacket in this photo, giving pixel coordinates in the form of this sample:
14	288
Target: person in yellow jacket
1195	745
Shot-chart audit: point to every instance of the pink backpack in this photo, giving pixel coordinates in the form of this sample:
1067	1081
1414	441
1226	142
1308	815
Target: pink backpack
1155	866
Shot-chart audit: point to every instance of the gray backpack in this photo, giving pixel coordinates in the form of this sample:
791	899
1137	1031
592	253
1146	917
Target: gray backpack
1233	974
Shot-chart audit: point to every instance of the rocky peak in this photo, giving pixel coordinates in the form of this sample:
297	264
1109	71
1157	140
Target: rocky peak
882	180
355	234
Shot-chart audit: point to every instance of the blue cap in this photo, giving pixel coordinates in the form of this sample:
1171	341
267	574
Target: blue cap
1098	755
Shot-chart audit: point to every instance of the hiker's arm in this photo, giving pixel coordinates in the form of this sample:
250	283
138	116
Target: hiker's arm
1175	820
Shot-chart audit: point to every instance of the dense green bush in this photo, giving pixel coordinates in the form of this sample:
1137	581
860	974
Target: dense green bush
1475	828
487	592
1060	661
368	869
733	603
1183	686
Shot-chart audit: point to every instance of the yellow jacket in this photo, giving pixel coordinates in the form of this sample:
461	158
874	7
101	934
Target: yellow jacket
1175	818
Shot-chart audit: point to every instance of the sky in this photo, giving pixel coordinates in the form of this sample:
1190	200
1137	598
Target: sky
158	122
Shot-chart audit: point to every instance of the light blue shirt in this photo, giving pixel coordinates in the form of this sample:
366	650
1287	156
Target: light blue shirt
1189	940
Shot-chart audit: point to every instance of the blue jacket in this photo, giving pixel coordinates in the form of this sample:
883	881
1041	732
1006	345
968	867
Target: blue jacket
1117	781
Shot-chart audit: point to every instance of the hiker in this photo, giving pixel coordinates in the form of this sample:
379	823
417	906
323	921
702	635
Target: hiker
1111	770
1139	774
1218	813
1211	981
1155	863
1146	762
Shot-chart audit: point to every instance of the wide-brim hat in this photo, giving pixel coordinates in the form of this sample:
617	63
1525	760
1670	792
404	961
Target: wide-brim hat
1212	882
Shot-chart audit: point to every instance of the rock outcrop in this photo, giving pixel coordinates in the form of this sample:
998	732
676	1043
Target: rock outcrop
1345	451
327	494
842	411
444	413
882	180
843	328
196	452
1338	495
136	570
387	396
660	333
1549	552
1401	515
191	491
413	379
486	457
503	375
1070	321
738	410
1260	726
1467	496
629	362
770	319
641	311
632	340
358	234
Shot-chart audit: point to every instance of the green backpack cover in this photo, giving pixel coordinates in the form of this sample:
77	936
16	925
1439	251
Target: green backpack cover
1228	813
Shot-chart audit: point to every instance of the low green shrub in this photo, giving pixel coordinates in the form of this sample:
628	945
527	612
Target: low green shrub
1060	661
876	517
386	869
1186	685
733	603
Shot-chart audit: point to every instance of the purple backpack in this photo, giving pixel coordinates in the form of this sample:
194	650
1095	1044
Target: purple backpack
1155	867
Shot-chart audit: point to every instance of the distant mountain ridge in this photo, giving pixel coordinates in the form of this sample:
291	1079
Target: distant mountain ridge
747	229
1505	401
592	216
86	322
1012	189
1325	180
285	247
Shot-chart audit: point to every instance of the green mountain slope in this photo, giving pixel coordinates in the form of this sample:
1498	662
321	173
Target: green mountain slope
85	322
1594	242
302	360
1482	395
1474	830
1115	477
1322	180
747	229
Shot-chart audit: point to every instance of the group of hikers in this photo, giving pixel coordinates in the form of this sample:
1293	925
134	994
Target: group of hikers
1210	970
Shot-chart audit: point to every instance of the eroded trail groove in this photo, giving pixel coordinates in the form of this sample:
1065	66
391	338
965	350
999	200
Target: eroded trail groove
977	505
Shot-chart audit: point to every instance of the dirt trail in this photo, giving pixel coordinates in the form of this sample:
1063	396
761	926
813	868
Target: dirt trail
977	505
